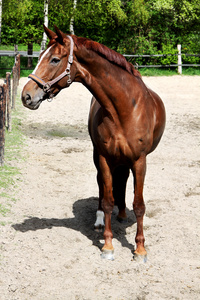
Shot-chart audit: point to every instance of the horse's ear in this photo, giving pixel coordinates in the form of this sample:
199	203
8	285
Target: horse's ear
49	33
61	36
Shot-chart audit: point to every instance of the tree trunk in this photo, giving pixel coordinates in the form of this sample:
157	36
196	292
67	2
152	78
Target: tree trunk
0	18
71	26
44	40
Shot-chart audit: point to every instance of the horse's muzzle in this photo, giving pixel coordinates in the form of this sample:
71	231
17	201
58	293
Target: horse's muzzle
30	101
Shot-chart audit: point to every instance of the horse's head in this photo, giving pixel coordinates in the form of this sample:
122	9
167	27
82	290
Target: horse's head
53	72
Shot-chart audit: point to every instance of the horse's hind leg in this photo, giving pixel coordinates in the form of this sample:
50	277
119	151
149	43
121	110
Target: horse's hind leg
120	176
139	170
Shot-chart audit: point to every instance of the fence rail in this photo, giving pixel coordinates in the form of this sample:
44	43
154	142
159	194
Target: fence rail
32	54
167	66
8	95
159	55
179	60
22	53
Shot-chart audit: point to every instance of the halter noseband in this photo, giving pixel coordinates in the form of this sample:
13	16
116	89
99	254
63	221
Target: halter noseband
46	86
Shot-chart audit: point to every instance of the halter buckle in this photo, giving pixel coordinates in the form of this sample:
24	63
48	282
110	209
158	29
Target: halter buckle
46	87
70	59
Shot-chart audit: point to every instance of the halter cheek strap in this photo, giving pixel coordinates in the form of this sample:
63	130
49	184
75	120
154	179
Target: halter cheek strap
46	86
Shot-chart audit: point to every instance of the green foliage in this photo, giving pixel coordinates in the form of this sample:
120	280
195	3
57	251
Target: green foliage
169	59
60	13
131	27
191	45
100	20
21	21
173	20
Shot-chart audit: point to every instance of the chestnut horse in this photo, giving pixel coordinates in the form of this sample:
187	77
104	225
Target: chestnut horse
126	119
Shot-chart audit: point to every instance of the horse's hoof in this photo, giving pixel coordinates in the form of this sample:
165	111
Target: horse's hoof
140	258
107	254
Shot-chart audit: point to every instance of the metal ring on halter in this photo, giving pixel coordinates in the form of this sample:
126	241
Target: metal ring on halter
50	99
69	79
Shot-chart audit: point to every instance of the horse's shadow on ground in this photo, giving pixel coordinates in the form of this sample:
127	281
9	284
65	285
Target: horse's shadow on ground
84	218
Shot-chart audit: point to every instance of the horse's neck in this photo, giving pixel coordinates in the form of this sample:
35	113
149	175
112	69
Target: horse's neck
110	84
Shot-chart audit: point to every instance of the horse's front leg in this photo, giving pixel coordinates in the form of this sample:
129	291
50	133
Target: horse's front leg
139	171
107	203
99	224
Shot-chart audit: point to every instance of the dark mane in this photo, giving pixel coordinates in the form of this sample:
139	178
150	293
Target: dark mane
107	53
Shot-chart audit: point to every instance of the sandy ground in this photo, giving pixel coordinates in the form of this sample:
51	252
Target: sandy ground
49	250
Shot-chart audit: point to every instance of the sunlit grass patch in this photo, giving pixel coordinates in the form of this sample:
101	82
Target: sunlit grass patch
10	171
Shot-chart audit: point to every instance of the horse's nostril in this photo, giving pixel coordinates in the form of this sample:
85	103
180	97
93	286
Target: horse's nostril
28	99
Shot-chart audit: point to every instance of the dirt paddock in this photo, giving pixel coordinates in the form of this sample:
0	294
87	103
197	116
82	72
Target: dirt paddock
48	248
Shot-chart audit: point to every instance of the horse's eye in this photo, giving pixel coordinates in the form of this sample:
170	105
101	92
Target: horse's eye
55	61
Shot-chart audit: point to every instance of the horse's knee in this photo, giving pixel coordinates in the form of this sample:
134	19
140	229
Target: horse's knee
107	205
139	209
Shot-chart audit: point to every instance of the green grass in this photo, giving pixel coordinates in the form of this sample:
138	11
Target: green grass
15	138
4	210
190	71
36	47
7	62
25	73
9	172
157	71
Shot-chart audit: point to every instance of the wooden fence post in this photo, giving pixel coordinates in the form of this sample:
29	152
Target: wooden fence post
2	122
16	77
30	52
8	101
16	50
18	67
14	86
179	60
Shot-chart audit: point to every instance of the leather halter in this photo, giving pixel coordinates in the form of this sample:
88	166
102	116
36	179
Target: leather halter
46	86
